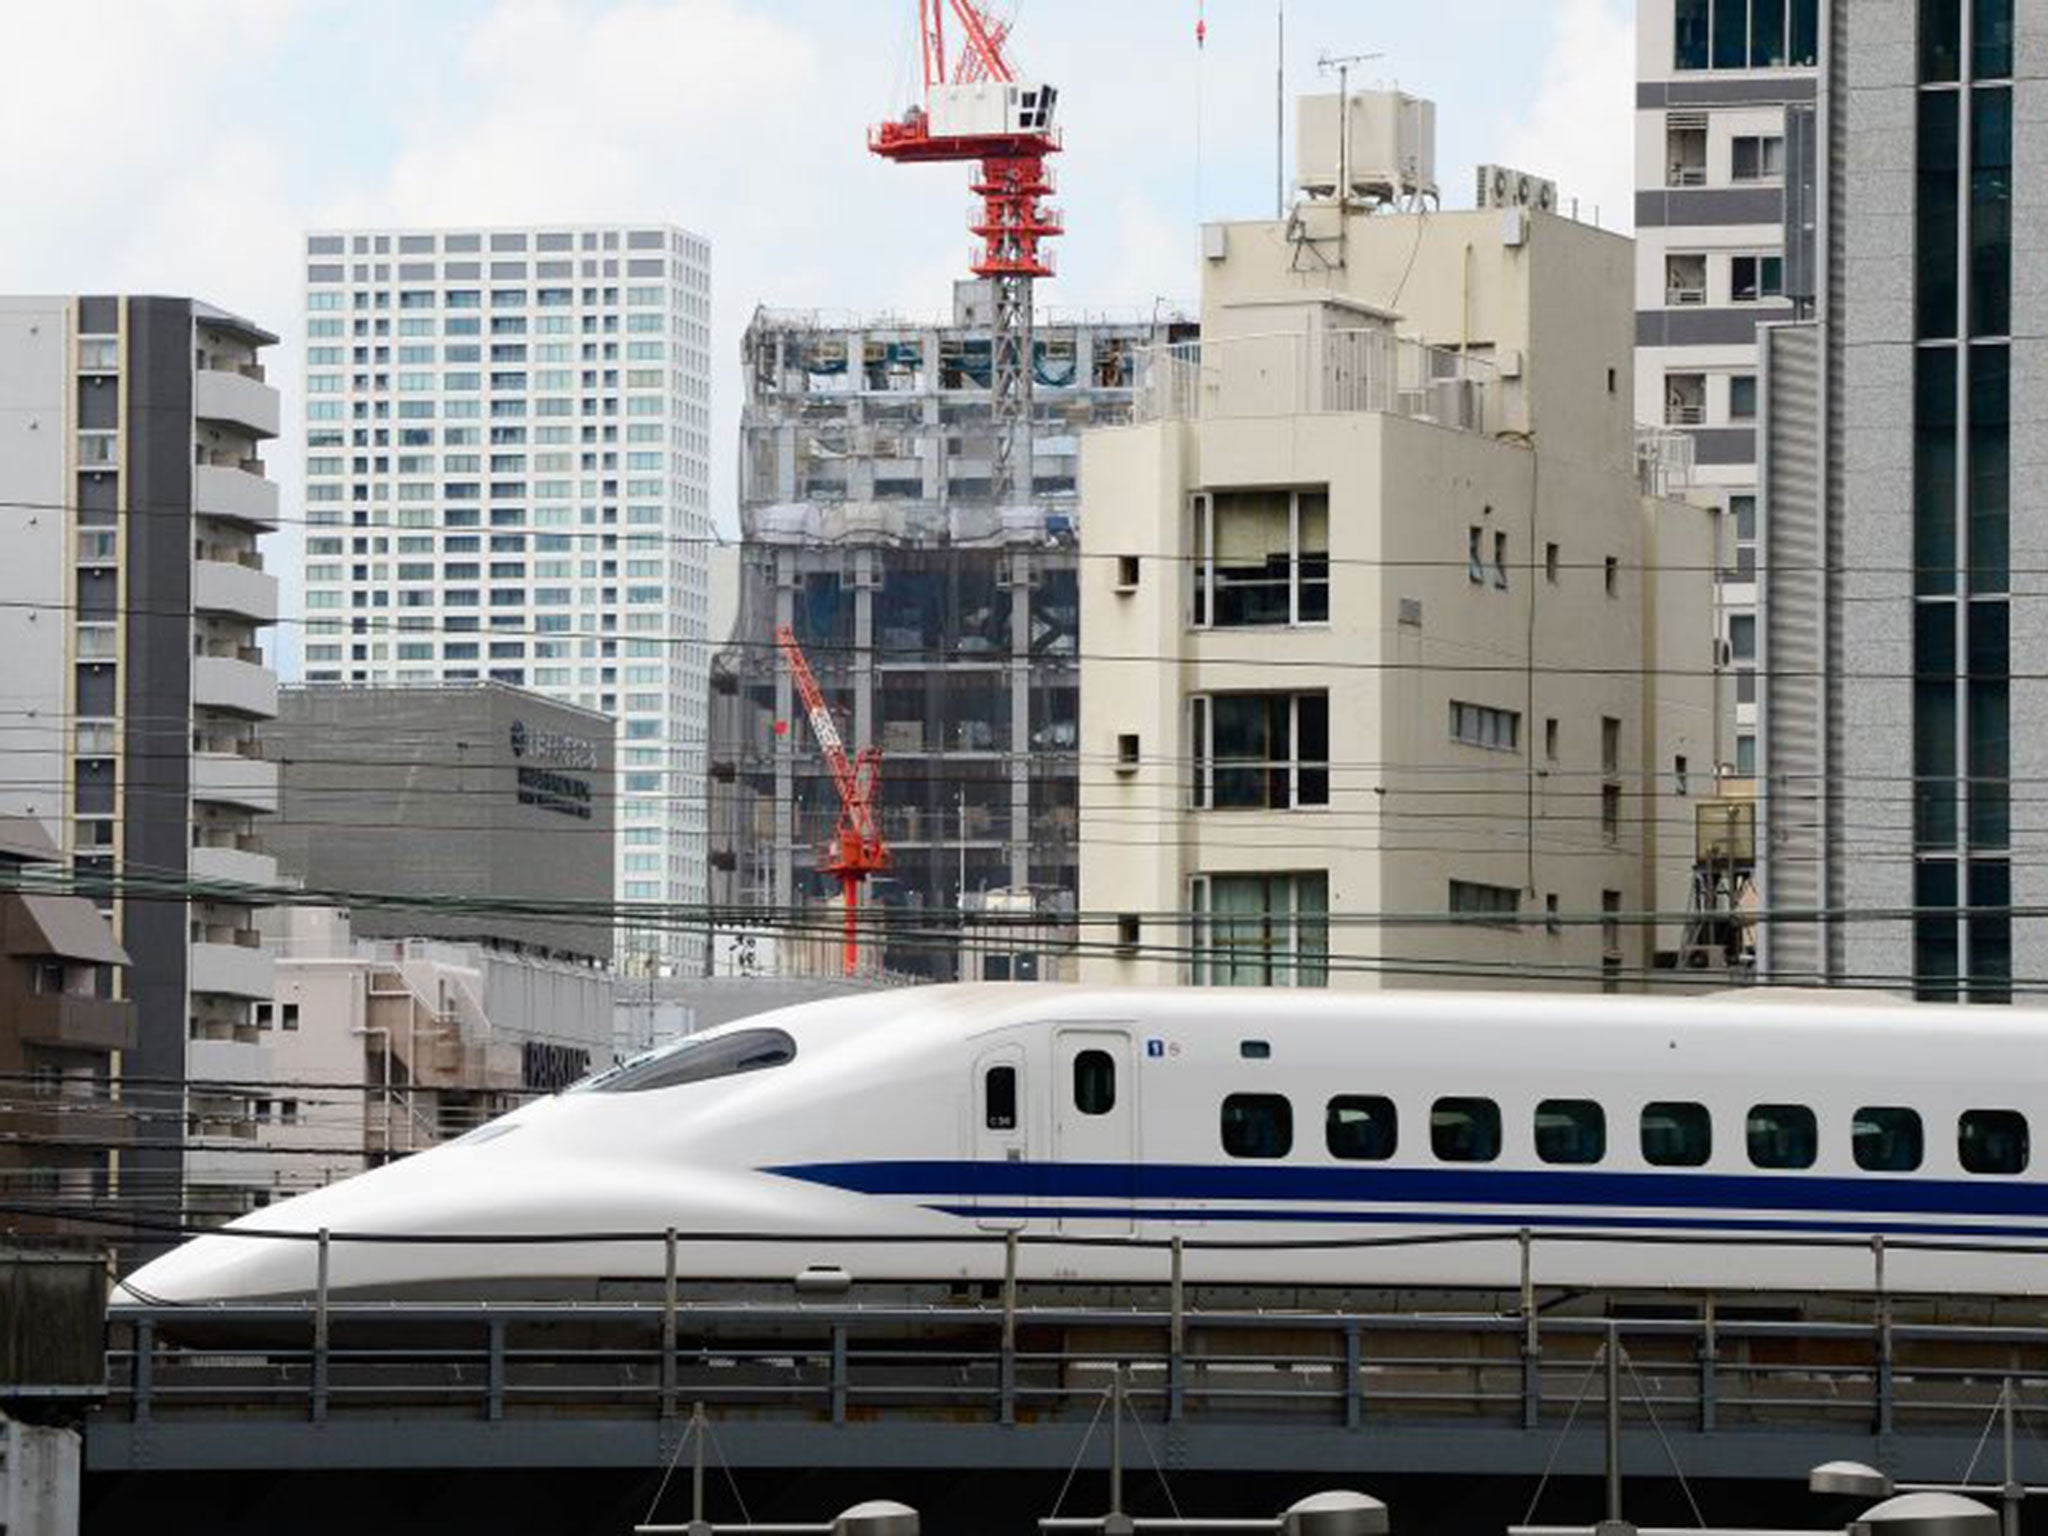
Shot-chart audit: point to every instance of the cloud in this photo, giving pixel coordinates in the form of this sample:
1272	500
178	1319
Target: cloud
1580	128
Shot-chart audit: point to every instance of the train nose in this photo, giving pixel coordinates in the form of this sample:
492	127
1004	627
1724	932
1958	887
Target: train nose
221	1267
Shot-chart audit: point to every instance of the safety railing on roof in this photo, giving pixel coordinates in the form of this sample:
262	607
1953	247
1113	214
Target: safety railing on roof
1370	369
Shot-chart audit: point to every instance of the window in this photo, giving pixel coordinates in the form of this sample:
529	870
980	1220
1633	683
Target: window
697	1059
1677	1135
1475	555
1751	278
1992	1141
1550	563
1260	751
1126	573
1758	157
1782	1136
1612	576
1258	1125
1094	1082
999	1098
1500	560
1362	1128
1465	1130
1480	725
1886	1140
1550	738
1502	902
1261	930
1262	558
1570	1131
1742	397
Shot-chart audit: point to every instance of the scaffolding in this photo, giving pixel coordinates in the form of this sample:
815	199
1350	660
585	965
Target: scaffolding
942	618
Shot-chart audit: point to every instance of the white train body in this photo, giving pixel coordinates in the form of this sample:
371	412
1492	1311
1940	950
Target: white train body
878	1136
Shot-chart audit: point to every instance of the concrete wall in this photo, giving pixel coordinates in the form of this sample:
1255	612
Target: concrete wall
35	420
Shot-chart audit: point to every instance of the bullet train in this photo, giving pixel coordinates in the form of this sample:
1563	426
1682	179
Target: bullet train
1758	1141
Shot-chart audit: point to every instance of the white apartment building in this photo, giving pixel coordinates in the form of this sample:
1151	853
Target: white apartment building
132	596
1725	91
1398	671
376	1049
508	479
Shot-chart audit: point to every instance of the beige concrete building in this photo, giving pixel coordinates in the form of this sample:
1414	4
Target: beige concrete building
1400	667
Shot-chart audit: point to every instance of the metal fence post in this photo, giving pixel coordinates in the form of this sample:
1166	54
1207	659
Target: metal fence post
668	1329
1885	1405
1710	1362
145	1371
1532	1337
494	1391
319	1383
1176	1339
1354	1376
839	1373
1006	1385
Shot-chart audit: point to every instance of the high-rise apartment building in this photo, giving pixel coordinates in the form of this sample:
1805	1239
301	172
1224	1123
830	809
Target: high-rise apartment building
1724	100
1906	714
508	479
131	597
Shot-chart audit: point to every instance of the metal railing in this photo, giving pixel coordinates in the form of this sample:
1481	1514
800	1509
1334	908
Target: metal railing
1321	373
1877	1364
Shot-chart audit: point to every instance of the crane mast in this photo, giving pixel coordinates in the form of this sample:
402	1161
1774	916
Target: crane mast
857	849
981	112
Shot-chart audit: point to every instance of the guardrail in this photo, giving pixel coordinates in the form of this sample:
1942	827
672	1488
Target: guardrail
1879	1363
968	1364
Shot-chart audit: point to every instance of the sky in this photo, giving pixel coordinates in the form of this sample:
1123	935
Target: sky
184	146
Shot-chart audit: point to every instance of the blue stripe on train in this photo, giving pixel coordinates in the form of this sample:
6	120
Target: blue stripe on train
1439	1188
1538	1221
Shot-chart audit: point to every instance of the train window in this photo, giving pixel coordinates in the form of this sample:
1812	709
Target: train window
1255	1050
1571	1131
999	1098
1677	1135
697	1059
1258	1125
1362	1128
1465	1130
1992	1141
1782	1136
1886	1140
1094	1082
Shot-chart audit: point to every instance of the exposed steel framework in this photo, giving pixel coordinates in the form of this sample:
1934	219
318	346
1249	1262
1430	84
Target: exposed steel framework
857	849
1015	220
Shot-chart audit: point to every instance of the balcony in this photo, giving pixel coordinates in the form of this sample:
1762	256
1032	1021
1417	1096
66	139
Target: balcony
75	1023
239	684
235	400
228	961
234	493
232	866
222	778
221	587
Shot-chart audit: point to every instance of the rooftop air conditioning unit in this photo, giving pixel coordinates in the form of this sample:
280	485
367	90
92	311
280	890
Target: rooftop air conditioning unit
1501	187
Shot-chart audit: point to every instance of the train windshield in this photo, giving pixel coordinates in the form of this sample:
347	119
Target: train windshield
695	1059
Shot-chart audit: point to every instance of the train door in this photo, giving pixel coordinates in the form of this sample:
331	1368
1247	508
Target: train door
1094	1130
1002	1142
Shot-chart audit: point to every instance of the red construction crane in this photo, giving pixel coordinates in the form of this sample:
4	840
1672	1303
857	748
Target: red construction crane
984	113
856	850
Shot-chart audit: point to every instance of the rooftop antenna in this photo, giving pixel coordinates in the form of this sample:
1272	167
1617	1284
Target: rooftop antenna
1342	63
1280	111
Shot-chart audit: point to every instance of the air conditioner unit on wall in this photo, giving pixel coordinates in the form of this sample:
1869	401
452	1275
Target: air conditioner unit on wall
1501	187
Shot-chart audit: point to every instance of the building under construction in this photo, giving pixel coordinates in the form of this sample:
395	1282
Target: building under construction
940	615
